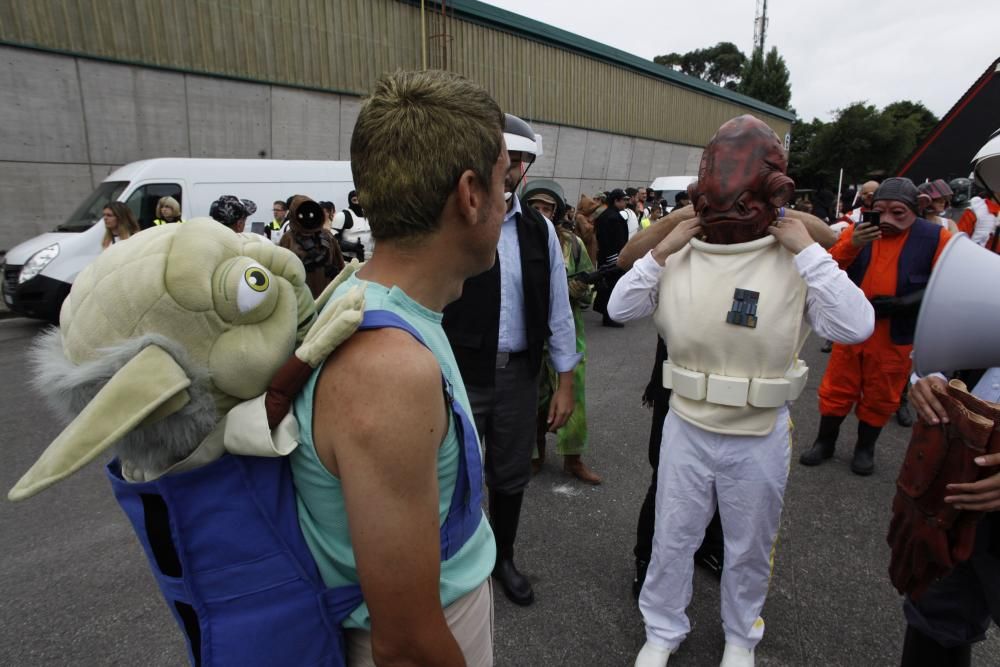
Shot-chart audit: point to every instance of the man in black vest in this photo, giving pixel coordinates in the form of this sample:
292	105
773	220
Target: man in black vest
498	330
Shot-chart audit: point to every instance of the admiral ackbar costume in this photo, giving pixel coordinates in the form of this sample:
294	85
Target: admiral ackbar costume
734	310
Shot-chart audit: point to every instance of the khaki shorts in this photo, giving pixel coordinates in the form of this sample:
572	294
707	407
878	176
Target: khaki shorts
470	619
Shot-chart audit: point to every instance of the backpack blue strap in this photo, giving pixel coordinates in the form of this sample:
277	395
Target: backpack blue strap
465	512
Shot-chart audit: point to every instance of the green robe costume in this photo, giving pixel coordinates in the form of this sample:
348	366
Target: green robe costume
571	438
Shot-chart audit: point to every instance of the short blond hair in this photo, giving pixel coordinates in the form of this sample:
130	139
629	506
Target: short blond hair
415	136
174	205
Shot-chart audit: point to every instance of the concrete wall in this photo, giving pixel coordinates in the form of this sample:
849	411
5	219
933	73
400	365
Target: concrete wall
67	122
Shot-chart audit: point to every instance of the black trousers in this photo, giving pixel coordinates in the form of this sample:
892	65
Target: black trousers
957	609
505	419
659	398
604	288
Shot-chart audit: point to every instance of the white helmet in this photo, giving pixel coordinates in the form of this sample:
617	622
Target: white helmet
519	136
986	164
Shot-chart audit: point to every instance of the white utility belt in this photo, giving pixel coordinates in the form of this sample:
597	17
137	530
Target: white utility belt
737	392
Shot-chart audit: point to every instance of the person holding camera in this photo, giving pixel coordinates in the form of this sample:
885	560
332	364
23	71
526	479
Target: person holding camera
889	255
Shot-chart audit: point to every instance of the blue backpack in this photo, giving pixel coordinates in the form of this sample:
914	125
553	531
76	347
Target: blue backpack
224	544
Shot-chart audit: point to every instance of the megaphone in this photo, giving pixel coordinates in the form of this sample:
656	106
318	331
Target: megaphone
958	326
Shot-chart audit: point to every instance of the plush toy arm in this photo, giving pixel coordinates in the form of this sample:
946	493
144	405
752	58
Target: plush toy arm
335	324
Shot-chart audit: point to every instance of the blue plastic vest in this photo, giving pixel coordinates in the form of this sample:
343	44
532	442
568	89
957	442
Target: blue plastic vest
914	270
225	547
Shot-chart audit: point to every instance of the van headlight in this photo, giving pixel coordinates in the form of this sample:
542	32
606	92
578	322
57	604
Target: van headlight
37	262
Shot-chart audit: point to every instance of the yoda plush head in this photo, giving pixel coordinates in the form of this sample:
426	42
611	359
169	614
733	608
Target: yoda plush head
159	338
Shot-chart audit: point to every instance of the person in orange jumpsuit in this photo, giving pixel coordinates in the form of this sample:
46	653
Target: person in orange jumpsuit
891	263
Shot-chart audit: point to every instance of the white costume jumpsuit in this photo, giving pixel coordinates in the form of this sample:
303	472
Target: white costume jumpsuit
718	445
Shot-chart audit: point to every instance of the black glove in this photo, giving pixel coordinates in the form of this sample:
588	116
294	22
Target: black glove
885	306
912	301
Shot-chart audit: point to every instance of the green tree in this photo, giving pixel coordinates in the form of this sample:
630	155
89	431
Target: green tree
721	64
913	120
765	78
865	142
803	166
862	140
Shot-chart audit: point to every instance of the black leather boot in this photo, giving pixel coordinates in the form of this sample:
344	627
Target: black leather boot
919	650
505	512
826	441
863	462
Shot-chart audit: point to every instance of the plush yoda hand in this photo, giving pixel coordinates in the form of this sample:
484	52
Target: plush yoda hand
335	324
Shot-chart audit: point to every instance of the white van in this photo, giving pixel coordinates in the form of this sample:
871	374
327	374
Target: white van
37	274
669	186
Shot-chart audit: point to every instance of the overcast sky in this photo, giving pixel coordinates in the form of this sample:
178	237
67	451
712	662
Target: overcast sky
837	51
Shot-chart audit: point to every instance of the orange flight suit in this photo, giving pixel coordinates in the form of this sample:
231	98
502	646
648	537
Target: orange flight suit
872	374
967	223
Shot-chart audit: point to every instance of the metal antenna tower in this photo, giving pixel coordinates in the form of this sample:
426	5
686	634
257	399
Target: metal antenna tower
760	26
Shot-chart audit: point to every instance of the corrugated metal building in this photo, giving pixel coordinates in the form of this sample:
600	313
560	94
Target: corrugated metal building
92	84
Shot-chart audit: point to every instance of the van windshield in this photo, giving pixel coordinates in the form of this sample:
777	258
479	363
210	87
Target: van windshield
670	196
90	210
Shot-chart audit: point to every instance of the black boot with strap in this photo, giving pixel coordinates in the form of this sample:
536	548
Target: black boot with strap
505	513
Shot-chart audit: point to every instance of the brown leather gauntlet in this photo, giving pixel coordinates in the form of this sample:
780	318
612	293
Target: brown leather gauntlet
928	536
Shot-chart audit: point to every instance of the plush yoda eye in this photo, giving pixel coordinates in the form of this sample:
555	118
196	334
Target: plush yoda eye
253	289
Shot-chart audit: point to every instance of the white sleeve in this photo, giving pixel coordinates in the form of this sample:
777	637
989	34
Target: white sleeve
985	221
836	308
562	340
637	292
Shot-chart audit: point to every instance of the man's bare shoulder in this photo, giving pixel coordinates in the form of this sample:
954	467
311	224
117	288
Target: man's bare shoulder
376	381
383	362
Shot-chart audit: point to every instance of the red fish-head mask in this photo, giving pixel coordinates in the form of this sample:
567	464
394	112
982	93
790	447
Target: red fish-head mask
741	182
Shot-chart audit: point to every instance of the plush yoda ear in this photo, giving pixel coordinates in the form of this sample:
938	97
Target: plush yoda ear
148	388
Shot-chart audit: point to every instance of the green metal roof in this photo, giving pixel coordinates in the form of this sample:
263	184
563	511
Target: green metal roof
501	19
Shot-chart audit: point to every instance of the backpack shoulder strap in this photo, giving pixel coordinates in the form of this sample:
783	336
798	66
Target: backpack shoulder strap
465	511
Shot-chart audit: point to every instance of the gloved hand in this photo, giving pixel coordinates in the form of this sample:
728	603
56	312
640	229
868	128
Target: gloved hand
579	292
887	306
337	321
928	536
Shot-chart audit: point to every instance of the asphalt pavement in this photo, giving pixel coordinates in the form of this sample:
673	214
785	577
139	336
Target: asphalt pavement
76	588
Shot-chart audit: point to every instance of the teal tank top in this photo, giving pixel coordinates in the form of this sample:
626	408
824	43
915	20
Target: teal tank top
322	513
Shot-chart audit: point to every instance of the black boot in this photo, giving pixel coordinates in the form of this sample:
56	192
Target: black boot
710	554
608	322
904	415
863	462
640	577
826	441
505	511
919	650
